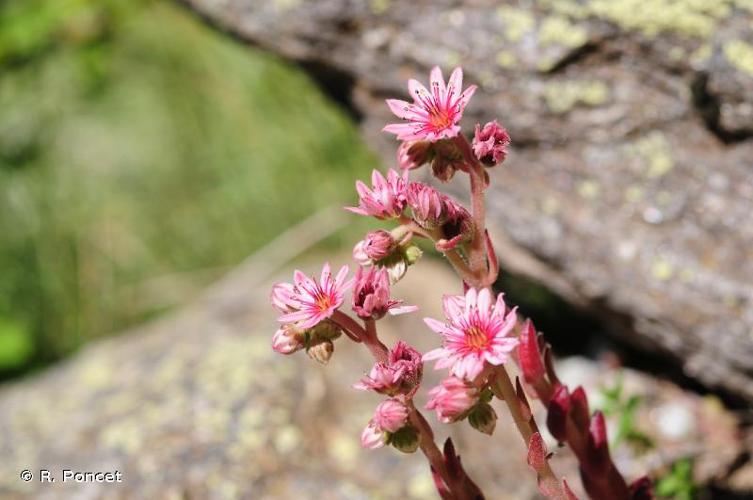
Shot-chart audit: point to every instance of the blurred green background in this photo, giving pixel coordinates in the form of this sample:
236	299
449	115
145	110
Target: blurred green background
143	155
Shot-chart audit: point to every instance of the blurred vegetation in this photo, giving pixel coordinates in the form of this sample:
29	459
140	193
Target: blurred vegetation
678	483
142	155
623	407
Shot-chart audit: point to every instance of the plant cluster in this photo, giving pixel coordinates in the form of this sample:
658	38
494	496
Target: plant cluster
479	333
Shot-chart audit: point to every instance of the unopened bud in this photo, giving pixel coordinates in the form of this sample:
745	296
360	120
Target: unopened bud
288	339
483	418
321	351
447	159
412	254
325	330
405	439
396	267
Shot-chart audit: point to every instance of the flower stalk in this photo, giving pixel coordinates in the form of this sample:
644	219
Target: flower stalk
480	333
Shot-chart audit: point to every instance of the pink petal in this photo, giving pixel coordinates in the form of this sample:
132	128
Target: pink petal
394	311
462	101
404	131
454	85
438	353
436	81
341	277
435	325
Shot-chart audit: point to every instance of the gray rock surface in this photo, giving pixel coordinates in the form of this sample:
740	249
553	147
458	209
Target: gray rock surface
630	188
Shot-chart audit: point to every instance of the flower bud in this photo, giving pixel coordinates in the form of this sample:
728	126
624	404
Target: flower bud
321	351
326	330
288	339
390	415
371	294
401	374
483	418
377	245
452	399
412	254
396	267
405	439
490	143
372	437
413	154
447	159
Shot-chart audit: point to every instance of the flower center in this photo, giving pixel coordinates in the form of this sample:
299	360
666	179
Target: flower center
323	302
440	119
476	338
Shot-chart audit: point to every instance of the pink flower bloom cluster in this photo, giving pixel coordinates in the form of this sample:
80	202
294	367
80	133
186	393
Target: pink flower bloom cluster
371	295
478	331
490	143
434	114
400	374
430	208
308	301
385	199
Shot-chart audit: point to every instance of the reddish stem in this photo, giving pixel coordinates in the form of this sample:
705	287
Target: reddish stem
379	351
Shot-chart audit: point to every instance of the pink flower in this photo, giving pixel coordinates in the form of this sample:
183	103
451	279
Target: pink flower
376	246
405	357
371	294
452	399
490	143
372	437
390	415
287	339
430	209
314	301
477	332
401	374
386	198
433	115
426	203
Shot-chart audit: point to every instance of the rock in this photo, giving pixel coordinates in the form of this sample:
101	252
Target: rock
197	405
630	188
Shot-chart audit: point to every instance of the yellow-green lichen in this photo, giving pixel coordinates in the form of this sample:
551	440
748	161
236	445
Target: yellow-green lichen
633	194
655	153
589	189
561	97
740	55
662	269
506	59
569	8
517	22
701	54
558	30
379	6
694	18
